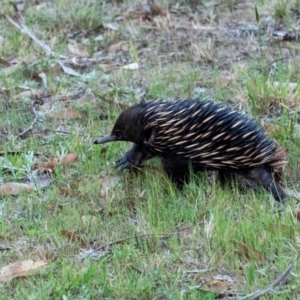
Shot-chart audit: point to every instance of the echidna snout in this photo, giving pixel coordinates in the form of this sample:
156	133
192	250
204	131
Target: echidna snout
105	139
201	135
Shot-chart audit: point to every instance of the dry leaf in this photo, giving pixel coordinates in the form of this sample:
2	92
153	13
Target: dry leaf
132	66
112	26
222	284
31	94
14	188
64	191
50	165
120	46
74	50
74	238
156	10
68	113
107	67
217	286
22	268
68	158
146	12
4	62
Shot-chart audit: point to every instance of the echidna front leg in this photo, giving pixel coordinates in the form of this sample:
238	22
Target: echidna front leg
134	157
177	171
265	177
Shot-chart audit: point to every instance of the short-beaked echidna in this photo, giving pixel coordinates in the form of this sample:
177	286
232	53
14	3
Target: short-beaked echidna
199	135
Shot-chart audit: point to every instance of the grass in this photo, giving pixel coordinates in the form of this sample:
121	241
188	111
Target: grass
229	231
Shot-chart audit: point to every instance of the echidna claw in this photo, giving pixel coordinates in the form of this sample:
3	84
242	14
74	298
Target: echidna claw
121	161
126	166
123	164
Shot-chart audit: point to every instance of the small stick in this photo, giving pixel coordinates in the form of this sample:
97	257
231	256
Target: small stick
164	235
22	134
46	90
269	289
23	27
259	293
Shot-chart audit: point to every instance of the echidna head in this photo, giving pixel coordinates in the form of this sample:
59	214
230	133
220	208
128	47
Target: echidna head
126	128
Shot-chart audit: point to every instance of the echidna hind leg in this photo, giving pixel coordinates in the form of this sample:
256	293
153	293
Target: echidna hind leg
265	177
178	172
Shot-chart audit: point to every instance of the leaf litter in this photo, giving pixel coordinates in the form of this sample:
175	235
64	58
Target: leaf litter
22	269
39	177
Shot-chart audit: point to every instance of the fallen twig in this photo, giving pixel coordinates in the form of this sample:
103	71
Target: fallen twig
46	90
15	153
47	130
270	289
22	134
164	235
23	27
20	24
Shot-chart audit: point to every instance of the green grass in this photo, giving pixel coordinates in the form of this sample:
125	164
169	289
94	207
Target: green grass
231	231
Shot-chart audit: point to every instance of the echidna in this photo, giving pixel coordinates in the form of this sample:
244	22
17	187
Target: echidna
201	135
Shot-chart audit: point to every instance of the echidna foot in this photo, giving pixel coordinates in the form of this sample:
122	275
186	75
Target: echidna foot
124	164
133	158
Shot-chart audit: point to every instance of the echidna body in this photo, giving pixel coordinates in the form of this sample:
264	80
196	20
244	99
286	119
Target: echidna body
201	135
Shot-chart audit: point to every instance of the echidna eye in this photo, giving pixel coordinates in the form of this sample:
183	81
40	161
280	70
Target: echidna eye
118	134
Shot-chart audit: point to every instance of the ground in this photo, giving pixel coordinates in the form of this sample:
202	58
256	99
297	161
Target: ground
80	229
